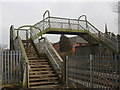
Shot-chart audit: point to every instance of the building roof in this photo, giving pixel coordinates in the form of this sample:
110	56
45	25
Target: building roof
77	39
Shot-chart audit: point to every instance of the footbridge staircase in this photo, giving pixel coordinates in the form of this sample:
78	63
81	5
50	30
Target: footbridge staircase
43	66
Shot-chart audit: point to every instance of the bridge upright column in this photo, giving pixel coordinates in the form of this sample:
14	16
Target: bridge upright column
11	38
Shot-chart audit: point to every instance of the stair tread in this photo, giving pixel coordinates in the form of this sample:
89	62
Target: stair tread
39	65
46	86
31	70
44	82
47	78
33	58
42	75
27	41
40	71
36	60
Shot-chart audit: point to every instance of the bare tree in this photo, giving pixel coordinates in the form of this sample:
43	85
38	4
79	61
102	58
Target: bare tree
116	8
3	47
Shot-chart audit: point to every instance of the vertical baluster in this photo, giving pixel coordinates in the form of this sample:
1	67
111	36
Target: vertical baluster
8	66
14	66
2	69
17	66
20	62
5	65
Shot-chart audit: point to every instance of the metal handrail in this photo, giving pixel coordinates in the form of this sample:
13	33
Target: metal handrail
53	49
82	16
112	42
46	44
47	11
26	70
17	38
57	60
52	56
79	20
31	26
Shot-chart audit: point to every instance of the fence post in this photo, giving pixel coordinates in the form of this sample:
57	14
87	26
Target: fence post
91	77
63	71
67	70
1	68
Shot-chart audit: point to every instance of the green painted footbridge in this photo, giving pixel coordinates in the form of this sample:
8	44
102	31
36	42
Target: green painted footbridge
43	66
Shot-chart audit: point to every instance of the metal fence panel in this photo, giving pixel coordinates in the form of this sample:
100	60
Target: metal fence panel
93	71
11	71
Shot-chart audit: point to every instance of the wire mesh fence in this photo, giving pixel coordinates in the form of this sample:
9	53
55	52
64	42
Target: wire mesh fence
93	71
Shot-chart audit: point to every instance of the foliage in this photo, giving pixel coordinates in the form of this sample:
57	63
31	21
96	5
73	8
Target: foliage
65	45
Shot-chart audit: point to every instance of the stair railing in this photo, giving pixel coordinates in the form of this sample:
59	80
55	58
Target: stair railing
52	54
26	65
55	59
18	45
69	24
57	22
109	41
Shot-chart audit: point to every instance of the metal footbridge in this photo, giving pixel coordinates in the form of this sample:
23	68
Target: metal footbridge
83	28
43	48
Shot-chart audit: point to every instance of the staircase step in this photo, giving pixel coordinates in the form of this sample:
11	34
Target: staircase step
46	86
36	64
43	75
33	58
39	64
32	69
30	52
47	78
33	55
26	41
41	72
29	56
37	60
43	83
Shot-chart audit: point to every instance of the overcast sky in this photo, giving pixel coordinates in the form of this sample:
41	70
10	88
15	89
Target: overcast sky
22	13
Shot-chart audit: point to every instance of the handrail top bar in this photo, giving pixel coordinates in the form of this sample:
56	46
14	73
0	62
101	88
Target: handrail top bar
40	21
54	49
47	11
23	50
31	26
83	16
67	18
22	29
56	18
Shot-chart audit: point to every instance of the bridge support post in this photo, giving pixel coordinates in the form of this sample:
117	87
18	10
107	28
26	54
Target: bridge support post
11	38
26	34
63	69
91	70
